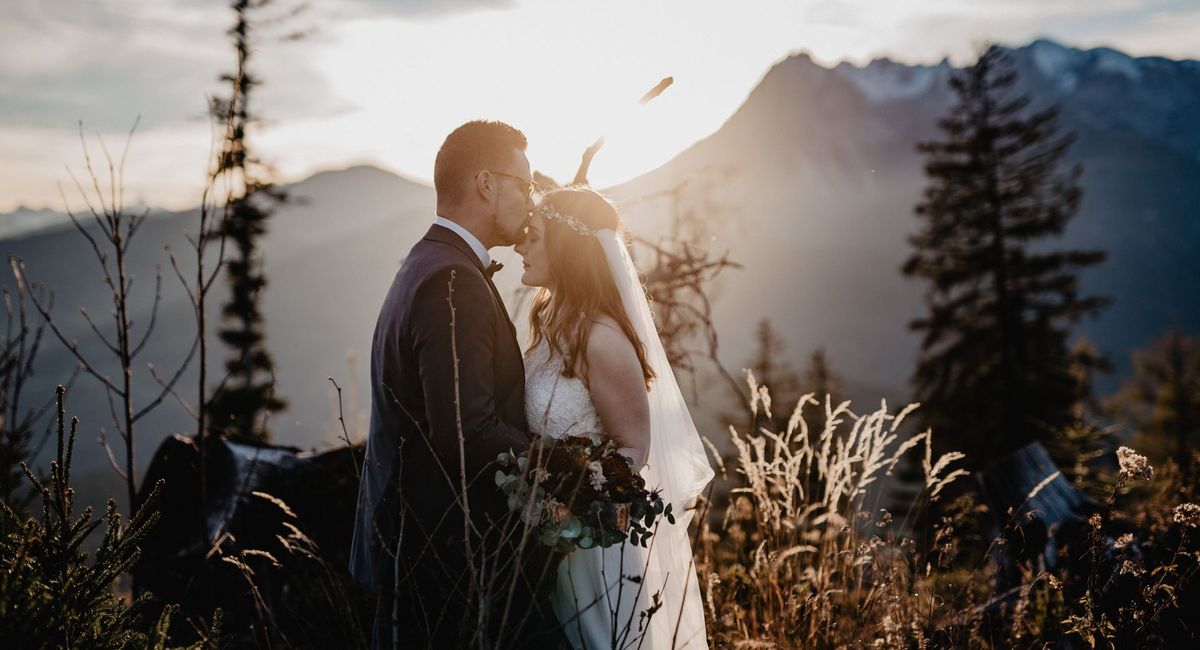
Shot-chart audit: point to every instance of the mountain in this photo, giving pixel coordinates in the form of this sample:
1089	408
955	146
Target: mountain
818	175
810	185
26	221
330	257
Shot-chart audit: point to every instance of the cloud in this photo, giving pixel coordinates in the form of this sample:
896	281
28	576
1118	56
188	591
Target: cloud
1170	32
372	80
431	8
926	30
834	13
106	62
165	166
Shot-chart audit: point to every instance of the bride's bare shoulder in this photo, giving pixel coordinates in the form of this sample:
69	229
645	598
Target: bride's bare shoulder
608	346
606	332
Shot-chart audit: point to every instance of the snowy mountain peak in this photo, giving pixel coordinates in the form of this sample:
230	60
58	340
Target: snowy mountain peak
1153	99
1112	61
884	80
1066	66
1057	63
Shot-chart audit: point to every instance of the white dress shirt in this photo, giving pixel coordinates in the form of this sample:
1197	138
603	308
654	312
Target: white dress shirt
471	240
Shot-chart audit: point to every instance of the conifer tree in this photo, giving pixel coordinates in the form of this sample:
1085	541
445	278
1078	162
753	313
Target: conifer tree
56	594
238	407
19	345
994	371
1161	400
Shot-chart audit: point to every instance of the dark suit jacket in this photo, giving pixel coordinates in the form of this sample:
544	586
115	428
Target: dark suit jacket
442	307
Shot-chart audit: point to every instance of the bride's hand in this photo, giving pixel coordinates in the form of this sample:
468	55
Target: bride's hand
636	455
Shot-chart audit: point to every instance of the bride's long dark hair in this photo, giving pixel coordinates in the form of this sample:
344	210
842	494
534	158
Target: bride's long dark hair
583	287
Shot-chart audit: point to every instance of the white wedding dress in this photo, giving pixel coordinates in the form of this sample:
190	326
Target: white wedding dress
597	603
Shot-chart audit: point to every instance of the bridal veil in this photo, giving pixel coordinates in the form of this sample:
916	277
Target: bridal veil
677	465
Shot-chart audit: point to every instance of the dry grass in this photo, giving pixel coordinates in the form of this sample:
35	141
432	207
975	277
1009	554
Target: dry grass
802	555
797	553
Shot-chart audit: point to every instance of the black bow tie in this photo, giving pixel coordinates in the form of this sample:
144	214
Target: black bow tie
493	267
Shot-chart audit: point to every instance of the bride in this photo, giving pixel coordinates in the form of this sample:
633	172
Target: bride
596	364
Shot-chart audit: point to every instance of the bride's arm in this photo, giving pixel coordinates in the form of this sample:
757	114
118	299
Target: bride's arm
618	389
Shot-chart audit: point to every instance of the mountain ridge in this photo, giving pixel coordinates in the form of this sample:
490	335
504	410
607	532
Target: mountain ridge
841	165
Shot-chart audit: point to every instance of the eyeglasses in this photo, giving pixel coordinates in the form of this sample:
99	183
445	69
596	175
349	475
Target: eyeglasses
531	186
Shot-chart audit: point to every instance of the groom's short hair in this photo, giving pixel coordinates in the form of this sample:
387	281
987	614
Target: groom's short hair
469	149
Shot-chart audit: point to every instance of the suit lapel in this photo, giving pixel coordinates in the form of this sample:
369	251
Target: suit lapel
446	236
449	237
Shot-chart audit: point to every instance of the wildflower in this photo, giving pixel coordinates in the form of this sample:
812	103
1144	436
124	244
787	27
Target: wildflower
1187	514
1134	465
1131	568
558	512
885	519
623	517
1125	540
597	475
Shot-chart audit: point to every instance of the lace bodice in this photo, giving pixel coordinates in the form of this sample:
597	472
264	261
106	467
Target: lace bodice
556	406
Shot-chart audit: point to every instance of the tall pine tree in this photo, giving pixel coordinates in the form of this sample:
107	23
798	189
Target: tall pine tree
994	371
240	405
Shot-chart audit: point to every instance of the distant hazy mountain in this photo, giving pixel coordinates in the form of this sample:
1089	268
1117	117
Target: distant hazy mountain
810	185
24	221
330	257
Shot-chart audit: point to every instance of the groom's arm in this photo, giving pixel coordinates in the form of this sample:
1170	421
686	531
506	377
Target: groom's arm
467	337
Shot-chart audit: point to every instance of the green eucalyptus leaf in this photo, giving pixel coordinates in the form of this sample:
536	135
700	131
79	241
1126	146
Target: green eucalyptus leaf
572	528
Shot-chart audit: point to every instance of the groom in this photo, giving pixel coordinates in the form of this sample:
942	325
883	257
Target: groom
448	395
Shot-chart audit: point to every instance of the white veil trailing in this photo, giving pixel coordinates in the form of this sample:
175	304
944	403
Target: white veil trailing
677	465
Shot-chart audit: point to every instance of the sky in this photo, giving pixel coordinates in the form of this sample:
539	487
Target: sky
383	81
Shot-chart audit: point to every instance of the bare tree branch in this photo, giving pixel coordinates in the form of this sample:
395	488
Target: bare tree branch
112	459
19	269
179	274
79	226
174	393
87	317
112	409
153	311
125	151
171	384
135	224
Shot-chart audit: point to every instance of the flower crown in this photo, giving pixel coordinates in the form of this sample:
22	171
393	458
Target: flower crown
547	211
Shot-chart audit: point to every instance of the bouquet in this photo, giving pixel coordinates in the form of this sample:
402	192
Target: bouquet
578	492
